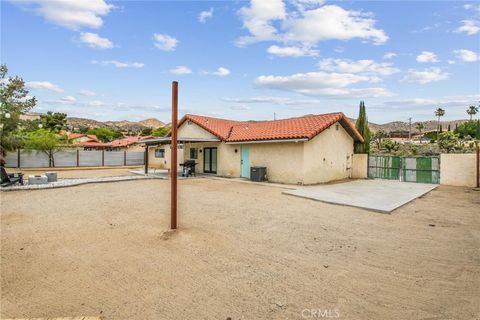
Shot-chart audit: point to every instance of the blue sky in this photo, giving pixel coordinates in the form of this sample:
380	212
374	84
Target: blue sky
115	60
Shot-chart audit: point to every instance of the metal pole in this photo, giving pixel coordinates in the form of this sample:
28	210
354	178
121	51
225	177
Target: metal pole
478	166
146	159
173	162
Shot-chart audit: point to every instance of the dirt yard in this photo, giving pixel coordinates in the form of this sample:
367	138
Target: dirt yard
243	251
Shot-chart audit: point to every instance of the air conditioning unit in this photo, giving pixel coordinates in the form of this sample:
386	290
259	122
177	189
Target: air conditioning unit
258	174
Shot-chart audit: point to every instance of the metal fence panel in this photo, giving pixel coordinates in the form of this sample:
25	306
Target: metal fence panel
408	169
65	158
90	158
11	159
384	167
33	159
135	158
114	158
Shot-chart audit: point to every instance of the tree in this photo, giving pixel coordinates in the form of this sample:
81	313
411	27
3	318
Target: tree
362	127
46	141
161	132
468	128
447	141
54	121
391	145
378	138
449	128
439	113
420	126
14	101
146	132
471	111
105	134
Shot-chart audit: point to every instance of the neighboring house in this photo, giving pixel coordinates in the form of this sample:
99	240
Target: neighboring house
87	141
129	143
304	150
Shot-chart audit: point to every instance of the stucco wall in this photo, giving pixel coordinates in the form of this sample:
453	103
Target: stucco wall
360	166
190	130
458	169
328	156
284	161
164	163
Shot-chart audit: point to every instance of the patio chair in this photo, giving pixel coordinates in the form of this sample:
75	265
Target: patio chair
10	179
188	168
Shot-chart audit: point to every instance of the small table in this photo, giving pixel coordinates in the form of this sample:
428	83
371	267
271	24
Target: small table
40	179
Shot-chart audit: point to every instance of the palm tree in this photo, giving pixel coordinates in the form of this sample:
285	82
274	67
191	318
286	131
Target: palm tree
471	111
420	126
439	113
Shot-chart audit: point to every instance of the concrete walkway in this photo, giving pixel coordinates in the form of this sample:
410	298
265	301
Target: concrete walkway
377	195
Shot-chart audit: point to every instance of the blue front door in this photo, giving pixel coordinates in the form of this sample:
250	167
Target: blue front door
245	162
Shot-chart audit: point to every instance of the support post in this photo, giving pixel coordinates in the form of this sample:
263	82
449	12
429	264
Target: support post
78	158
125	158
173	162
146	159
478	166
103	158
18	158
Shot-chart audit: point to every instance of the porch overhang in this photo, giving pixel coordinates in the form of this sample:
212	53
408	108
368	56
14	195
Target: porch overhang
267	141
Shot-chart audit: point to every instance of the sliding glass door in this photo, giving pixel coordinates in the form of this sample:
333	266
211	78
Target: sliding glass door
210	160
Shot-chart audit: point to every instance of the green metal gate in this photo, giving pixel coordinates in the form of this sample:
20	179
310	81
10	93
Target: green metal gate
409	169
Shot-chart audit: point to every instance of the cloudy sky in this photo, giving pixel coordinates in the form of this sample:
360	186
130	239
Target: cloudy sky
115	60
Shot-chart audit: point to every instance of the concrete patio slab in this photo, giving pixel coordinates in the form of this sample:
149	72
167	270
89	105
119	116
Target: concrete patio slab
377	195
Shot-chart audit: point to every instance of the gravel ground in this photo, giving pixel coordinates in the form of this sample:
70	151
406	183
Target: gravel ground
242	251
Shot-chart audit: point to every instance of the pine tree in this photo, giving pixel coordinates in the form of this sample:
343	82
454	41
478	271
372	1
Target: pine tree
362	127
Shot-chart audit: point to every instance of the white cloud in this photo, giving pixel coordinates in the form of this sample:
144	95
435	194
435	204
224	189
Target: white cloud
322	84
64	100
205	15
240	107
95	103
369	67
466	55
180	70
271	100
43	85
427	56
425	76
93	40
469	27
119	64
87	93
257	20
389	55
165	42
71	14
221	72
291	51
306	26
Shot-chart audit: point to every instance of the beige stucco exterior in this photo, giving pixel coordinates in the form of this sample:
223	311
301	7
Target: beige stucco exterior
458	169
327	157
360	166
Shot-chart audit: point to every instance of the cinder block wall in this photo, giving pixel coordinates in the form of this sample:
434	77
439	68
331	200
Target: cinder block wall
458	169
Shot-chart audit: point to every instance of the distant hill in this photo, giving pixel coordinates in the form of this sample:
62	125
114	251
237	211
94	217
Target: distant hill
153	123
124	125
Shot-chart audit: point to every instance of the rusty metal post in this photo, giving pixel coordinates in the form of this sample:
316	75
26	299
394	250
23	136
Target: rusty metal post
145	158
173	162
478	166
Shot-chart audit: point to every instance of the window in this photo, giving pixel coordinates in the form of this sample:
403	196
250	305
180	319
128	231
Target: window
159	153
193	153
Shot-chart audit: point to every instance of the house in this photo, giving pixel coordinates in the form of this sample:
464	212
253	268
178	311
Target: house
86	141
304	150
128	143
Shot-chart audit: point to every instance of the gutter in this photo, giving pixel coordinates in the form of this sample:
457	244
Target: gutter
267	141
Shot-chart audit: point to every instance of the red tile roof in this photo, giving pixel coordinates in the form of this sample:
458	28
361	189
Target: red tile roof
306	127
91	137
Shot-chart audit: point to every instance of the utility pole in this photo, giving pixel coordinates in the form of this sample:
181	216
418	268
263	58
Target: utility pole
173	163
